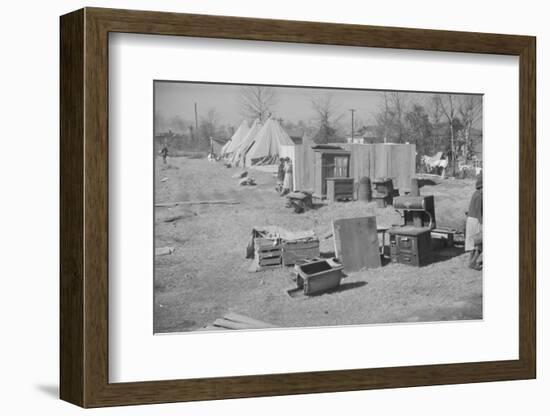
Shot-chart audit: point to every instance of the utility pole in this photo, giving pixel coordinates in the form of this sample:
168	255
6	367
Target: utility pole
196	118
352	123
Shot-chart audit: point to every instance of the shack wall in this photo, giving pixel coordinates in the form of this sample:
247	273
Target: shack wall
304	162
377	160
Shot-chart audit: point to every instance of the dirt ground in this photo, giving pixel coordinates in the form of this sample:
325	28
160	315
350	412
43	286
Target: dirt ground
206	276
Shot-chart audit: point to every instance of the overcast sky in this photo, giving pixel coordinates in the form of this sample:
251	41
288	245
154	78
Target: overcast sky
293	103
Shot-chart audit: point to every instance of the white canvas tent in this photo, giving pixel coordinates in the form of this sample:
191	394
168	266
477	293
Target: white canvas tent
223	151
240	153
236	139
268	143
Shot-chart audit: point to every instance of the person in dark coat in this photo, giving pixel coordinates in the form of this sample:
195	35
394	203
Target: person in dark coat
474	222
164	153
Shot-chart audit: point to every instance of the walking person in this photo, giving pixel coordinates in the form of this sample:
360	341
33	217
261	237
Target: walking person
164	153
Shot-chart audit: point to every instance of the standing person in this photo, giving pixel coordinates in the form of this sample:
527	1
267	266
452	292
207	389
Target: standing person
474	222
164	153
280	174
287	182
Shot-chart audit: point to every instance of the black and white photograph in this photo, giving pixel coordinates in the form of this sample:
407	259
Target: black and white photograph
296	206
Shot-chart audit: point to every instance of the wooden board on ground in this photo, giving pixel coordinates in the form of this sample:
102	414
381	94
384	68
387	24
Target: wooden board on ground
212	202
356	243
235	321
245	319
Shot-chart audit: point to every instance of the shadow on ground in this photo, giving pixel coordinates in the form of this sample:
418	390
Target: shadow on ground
49	390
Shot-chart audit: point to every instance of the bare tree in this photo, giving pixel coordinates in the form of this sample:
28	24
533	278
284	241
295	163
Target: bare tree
391	115
436	112
398	101
448	109
386	116
470	110
257	102
327	117
209	124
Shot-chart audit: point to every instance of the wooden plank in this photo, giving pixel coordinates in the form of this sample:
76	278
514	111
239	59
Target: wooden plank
270	261
266	243
266	254
230	324
213	202
227	324
245	319
300	245
356	243
210	328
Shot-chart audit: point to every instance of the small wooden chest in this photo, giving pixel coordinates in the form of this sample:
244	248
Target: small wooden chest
339	189
410	245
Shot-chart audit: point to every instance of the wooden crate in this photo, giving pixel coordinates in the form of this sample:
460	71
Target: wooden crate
293	251
267	252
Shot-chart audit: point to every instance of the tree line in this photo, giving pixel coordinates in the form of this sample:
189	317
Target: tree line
433	122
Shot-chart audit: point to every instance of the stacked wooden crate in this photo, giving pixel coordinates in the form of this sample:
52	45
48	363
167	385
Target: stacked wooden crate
267	253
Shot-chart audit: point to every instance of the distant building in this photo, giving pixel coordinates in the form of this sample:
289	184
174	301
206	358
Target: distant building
356	140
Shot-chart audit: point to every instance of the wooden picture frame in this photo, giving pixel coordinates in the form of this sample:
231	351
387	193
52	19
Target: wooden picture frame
84	207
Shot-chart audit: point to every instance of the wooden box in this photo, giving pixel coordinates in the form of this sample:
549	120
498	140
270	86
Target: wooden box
268	252
339	189
442	237
293	251
319	276
410	245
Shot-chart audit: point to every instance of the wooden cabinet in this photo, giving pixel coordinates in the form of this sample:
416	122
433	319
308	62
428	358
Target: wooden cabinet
339	189
329	163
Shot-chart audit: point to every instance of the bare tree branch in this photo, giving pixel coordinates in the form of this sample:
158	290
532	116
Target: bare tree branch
327	116
257	102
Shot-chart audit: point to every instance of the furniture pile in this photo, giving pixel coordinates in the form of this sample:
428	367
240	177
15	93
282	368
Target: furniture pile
272	247
383	192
